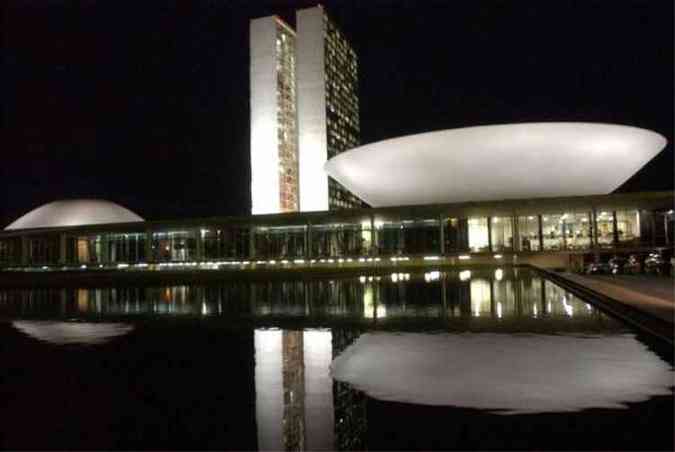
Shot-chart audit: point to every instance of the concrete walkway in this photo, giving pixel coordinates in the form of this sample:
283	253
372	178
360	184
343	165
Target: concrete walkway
652	294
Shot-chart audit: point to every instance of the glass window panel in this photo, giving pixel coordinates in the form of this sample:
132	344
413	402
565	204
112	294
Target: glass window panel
578	230
628	226
528	229
552	230
605	226
478	234
502	233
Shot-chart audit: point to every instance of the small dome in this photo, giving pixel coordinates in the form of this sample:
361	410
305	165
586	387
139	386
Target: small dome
75	212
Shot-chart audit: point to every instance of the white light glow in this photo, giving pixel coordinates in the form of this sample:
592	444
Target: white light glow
465	275
432	276
498	256
464	257
62	333
499	274
460	369
75	212
468	164
431	258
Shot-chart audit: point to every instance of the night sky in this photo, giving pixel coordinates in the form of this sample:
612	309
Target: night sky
146	103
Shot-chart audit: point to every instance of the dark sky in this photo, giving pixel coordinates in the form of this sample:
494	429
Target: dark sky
146	103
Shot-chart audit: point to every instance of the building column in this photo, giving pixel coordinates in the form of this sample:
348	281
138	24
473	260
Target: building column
594	213
441	229
105	251
25	251
62	249
251	243
593	235
540	229
308	240
199	248
489	225
516	233
148	247
665	229
373	237
615	232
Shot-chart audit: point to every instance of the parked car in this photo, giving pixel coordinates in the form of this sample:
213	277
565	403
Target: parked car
598	268
617	264
655	263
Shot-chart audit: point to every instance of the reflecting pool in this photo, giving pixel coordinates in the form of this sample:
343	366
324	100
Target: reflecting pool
475	359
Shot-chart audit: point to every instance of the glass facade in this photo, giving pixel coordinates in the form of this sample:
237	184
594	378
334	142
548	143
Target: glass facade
528	231
341	239
342	107
501	233
479	237
456	234
126	248
604	222
174	246
280	243
383	234
628	227
408	237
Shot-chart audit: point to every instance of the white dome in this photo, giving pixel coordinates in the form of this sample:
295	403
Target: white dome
510	161
76	212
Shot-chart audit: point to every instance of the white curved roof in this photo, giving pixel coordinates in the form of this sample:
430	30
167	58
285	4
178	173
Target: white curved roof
495	162
75	212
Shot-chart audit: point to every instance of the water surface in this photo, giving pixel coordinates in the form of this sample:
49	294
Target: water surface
489	359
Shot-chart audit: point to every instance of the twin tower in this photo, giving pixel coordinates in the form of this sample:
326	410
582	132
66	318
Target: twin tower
304	110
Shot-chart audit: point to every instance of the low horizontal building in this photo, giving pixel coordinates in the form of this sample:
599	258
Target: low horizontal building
543	230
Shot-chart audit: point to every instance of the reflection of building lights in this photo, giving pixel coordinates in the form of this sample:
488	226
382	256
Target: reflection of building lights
568	308
431	258
465	275
534	308
499	274
530	218
499	310
433	276
379	224
464	257
498	256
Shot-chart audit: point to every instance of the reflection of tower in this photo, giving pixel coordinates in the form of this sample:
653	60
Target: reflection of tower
294	398
294	390
349	404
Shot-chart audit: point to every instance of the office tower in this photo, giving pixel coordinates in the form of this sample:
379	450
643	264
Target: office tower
297	125
328	107
274	132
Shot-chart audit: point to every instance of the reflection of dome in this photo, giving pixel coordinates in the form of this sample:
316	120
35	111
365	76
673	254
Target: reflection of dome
75	212
528	373
61	333
510	161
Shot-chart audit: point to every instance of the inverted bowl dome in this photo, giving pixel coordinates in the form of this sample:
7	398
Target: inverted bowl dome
509	161
75	212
